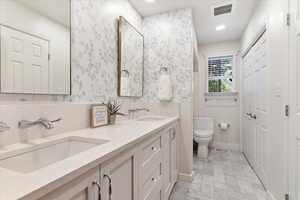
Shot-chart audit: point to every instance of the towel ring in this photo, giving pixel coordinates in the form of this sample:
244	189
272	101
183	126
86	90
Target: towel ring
125	73
163	70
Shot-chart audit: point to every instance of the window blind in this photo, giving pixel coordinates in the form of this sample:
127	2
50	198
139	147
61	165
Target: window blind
220	74
220	67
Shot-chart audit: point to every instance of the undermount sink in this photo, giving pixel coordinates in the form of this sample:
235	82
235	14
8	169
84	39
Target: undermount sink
151	118
45	154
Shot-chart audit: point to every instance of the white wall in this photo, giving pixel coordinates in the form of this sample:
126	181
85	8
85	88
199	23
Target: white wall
256	24
17	16
272	14
224	110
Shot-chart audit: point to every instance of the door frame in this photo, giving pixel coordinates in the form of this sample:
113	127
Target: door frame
291	146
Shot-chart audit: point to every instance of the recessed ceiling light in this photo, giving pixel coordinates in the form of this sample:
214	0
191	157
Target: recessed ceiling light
150	1
220	28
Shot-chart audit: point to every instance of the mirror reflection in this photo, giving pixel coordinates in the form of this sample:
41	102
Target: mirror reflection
35	46
131	60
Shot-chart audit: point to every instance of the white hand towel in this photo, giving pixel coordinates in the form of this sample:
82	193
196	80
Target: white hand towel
125	86
165	88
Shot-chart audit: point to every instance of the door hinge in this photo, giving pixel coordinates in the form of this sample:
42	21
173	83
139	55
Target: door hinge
287	110
288	19
287	197
49	56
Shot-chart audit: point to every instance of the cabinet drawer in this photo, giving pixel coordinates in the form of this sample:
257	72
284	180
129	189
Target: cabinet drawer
150	149
151	182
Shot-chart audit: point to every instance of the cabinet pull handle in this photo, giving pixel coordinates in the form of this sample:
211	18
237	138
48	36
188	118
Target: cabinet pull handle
109	187
173	134
253	116
95	183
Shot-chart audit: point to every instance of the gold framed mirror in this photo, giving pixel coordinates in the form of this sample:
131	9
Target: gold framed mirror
131	60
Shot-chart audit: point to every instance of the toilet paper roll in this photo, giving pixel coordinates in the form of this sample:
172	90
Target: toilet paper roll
224	126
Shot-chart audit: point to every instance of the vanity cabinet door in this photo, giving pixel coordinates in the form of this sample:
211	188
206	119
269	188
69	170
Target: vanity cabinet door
169	161
166	165
81	188
174	166
119	179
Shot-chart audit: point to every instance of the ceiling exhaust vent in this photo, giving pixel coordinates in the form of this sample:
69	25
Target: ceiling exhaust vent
224	9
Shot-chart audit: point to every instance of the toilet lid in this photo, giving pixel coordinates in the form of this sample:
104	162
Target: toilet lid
203	133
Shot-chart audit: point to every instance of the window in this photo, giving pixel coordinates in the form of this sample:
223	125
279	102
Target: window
220	74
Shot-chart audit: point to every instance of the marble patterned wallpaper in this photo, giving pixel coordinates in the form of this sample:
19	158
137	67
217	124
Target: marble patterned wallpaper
169	43
95	48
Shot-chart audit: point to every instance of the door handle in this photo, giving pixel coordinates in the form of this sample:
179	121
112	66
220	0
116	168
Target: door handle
95	183
253	116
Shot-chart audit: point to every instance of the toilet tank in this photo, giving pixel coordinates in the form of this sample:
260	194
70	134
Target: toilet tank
203	123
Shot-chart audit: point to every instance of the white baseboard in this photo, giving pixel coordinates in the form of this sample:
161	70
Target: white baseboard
271	195
186	177
226	146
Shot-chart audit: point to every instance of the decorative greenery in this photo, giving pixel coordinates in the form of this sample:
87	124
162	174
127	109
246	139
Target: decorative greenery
114	108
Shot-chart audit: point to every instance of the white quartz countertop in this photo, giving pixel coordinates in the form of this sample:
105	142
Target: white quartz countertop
33	185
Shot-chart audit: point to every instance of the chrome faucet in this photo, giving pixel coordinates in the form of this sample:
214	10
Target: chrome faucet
42	121
3	127
132	111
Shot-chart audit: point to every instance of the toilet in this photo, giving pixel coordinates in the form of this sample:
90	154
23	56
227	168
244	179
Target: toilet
203	135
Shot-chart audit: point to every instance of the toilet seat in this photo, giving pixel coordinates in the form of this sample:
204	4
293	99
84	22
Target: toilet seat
203	133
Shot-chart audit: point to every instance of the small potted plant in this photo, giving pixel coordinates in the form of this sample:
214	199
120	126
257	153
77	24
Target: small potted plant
113	111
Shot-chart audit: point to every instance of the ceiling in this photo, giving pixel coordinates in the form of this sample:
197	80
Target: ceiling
57	10
204	20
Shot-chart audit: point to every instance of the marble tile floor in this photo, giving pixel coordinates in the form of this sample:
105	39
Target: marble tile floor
225	176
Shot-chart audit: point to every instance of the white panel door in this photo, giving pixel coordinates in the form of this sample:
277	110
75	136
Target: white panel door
294	96
24	63
249	107
256	107
38	68
246	105
261	113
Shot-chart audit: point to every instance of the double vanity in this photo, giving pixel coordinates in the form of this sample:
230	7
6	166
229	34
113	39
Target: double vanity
134	159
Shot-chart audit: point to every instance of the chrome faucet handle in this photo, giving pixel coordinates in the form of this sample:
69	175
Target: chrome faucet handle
4	127
48	124
56	120
51	123
42	121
